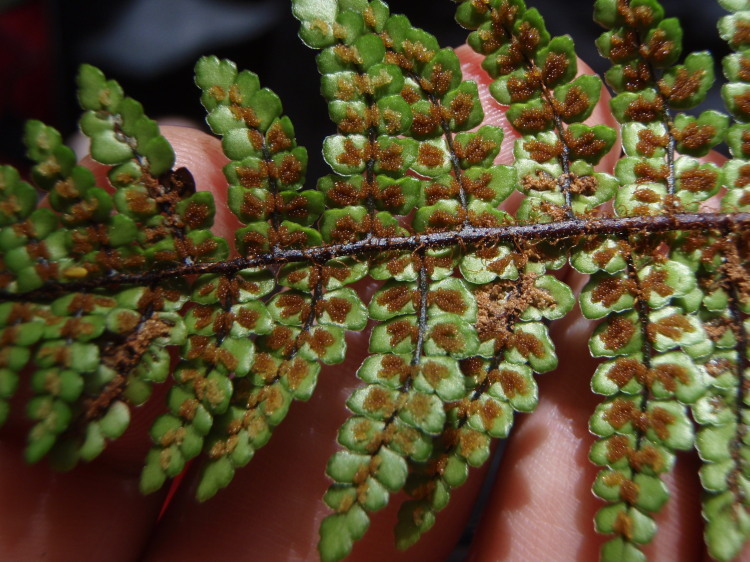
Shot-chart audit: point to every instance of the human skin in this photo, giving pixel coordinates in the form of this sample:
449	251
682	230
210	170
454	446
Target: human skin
540	507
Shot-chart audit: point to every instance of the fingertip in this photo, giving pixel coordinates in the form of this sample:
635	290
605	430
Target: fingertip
494	112
89	514
278	496
202	155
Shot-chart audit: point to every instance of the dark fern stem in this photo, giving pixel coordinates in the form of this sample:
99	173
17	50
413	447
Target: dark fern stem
573	229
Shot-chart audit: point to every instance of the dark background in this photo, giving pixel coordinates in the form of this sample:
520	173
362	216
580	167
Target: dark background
150	47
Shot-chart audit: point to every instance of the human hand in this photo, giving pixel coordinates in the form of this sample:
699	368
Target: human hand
540	508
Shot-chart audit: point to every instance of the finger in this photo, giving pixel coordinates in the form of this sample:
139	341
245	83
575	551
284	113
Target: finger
275	480
95	512
542	506
277	497
202	155
494	112
89	514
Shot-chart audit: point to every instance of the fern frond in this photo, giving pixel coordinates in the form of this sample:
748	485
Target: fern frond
645	421
106	290
96	351
720	265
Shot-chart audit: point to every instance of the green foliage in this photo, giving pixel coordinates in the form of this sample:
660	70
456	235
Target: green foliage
106	290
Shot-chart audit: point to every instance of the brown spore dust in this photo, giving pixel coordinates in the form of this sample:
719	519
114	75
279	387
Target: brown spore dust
434	372
476	150
512	383
657	281
401	330
378	399
626	369
295	371
488	411
542	151
742	103
658	49
337	308
319	340
396	366
576	103
430	156
623	46
448	300
649	142
644	110
586	145
609	290
527	344
448	337
396	298
197	215
741	34
668	374
698	180
534	119
647	173
344	193
623	525
618	333
419	405
522	89
554	68
672	327
539	181
694	136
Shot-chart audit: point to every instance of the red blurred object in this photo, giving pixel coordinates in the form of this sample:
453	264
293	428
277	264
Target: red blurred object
28	68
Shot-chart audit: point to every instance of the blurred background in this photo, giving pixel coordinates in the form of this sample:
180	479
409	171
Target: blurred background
150	47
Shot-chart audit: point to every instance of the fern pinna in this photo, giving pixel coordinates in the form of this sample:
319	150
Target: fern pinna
100	284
